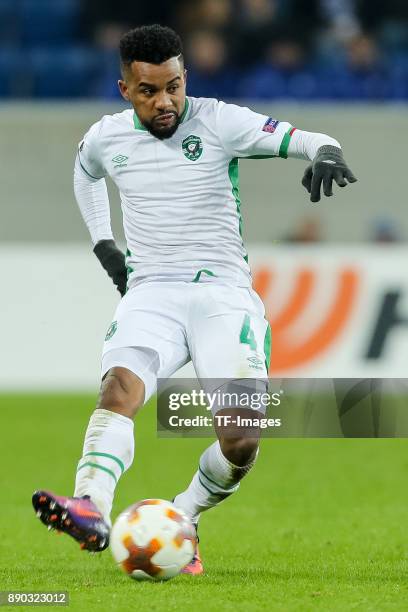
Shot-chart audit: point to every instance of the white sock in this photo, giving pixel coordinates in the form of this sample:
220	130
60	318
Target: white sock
108	452
216	479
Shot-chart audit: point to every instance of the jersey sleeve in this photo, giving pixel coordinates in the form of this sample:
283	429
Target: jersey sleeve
244	133
89	153
92	197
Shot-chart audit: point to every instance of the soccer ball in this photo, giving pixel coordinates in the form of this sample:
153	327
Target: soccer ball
153	540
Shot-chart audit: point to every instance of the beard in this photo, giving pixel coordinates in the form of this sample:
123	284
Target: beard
163	132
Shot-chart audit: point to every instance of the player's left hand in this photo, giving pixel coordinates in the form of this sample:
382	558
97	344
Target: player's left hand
114	262
328	165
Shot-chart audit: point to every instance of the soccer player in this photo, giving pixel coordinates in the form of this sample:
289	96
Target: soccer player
185	280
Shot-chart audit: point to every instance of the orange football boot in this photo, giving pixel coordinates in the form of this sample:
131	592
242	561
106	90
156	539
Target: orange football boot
195	567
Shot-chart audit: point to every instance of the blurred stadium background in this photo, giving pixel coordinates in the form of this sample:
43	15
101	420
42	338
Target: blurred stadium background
258	49
332	275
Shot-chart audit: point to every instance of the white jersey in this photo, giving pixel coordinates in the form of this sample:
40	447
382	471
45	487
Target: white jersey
180	196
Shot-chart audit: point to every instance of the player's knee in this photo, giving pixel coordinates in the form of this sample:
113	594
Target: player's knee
240	451
121	392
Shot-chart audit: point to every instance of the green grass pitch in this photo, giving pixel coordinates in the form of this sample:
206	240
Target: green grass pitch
318	524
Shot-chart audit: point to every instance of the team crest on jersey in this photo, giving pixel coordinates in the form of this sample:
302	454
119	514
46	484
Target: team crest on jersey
111	330
192	147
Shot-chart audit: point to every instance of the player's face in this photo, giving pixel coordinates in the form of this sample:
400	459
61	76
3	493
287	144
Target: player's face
157	93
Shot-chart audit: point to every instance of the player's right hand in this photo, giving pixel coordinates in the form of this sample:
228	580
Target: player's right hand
113	261
328	165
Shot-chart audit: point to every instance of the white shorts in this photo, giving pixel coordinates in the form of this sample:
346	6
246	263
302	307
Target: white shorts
158	327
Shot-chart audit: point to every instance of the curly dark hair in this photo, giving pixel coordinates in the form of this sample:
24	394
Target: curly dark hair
151	43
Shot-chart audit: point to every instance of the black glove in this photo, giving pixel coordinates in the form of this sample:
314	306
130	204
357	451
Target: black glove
113	260
328	164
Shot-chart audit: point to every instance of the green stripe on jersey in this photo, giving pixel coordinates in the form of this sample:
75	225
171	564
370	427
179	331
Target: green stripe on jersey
267	347
185	111
138	124
283	150
233	173
108	456
261	157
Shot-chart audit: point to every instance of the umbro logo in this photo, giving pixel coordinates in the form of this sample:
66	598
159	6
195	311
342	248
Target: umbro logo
256	363
120	161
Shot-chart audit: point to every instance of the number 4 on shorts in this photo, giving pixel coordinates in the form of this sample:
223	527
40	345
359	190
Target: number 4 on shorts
247	334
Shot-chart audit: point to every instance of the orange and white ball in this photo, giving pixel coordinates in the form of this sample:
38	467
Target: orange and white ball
153	540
